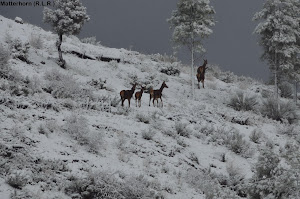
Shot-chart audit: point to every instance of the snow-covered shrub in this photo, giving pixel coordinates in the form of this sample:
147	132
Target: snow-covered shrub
8	39
242	101
235	142
104	185
101	185
236	179
34	85
62	86
52	126
36	41
256	135
114	102
42	129
163	58
203	183
20	50
181	142
287	129
148	135
91	40
286	89
228	77
286	110
170	69
193	157
122	111
141	117
99	84
182	130
271	180
4	57
77	127
113	64
17	179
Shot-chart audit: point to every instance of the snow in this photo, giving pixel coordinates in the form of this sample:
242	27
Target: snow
123	149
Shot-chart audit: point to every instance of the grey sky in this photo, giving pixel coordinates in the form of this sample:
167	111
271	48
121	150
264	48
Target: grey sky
142	24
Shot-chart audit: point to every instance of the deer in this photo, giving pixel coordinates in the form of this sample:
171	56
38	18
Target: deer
127	94
201	73
155	94
138	96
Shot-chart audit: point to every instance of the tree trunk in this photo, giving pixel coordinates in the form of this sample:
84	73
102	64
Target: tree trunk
193	78
62	62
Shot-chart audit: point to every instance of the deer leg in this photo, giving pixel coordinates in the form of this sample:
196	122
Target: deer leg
128	102
136	101
203	83
123	102
162	105
153	102
150	100
140	102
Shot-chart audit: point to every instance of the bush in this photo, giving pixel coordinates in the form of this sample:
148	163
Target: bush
241	101
77	127
148	135
170	69
181	129
91	40
285	112
4	57
286	90
142	118
99	84
20	50
36	41
62	86
103	185
256	136
17	180
235	142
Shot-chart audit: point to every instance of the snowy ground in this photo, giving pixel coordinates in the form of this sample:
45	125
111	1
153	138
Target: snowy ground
34	126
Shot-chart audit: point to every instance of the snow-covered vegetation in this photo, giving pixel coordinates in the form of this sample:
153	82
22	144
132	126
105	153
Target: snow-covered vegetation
64	133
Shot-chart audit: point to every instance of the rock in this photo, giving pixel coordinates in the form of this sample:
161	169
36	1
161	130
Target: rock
19	20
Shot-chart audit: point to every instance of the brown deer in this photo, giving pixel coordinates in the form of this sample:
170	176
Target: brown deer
201	73
138	96
155	94
127	94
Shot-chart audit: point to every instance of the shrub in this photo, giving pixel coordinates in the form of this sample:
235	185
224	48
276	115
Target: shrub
256	136
4	57
286	90
181	129
62	86
285	112
77	127
142	118
99	84
20	50
148	135
170	69
36	41
17	180
91	40
241	101
235	142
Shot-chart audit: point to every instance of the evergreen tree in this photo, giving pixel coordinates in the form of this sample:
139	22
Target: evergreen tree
67	18
279	31
192	22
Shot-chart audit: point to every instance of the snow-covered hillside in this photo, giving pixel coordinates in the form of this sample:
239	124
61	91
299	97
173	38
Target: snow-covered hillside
64	133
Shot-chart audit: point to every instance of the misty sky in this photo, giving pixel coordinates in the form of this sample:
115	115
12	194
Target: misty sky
142	25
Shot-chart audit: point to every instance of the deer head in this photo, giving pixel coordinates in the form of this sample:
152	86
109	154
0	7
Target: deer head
164	85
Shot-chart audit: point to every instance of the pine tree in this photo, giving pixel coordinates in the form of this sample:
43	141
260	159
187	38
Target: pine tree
67	18
279	31
192	22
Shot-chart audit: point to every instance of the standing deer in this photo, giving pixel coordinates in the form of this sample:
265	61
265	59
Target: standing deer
138	96
155	94
201	73
127	94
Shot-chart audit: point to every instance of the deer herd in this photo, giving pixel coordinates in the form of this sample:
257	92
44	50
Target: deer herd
157	94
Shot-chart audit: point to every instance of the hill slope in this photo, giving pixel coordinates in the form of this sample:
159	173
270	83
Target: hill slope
65	135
